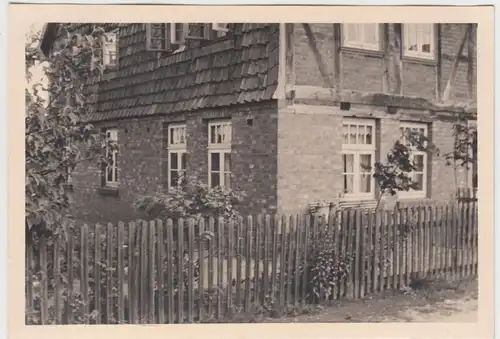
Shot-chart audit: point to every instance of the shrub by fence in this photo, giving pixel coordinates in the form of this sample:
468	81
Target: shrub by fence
141	273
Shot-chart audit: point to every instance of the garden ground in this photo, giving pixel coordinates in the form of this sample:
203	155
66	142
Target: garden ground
436	301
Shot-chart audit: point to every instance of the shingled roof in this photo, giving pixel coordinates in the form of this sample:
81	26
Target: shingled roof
240	69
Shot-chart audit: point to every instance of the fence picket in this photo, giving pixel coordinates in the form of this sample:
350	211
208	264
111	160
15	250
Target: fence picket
211	241
274	254
70	282
44	284
170	272
283	223
307	224
132	296
398	216
151	271
190	278
336	243
160	252
84	282
390	249
220	265
97	272
376	248
380	222
57	280
266	241
296	278
29	285
289	260
470	245
358	257
475	237
230	258
120	273
248	262
258	249
180	270
201	278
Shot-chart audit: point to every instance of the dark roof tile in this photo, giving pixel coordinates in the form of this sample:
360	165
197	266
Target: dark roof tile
210	76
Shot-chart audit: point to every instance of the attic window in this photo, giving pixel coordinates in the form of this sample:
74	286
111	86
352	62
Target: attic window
221	29
169	37
110	49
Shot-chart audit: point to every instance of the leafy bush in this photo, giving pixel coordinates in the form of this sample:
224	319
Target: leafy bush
192	199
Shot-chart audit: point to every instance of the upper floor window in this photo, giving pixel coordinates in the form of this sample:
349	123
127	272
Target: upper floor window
412	135
111	173
110	49
219	153
363	36
177	154
169	37
358	158
418	40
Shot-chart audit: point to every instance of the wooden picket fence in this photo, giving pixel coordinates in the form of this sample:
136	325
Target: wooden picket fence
134	274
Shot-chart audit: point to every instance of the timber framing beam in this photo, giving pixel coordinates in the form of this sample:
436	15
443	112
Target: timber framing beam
311	40
314	95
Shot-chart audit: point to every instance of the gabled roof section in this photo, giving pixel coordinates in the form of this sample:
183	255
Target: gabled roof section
239	69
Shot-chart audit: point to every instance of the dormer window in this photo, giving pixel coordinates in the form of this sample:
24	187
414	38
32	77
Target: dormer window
110	49
172	37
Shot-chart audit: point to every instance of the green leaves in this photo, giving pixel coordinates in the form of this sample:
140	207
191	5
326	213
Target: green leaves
56	136
192	199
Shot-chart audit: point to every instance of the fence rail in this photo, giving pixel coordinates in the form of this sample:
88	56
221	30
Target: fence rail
186	271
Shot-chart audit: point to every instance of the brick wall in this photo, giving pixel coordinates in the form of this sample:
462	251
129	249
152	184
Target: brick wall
143	162
309	163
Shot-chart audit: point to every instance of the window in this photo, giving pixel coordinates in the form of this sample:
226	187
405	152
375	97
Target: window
170	37
111	171
364	36
472	166
418	40
358	158
219	153
419	175
110	49
177	156
221	29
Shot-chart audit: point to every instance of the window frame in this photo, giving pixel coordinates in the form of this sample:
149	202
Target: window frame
222	148
114	182
414	194
357	150
360	44
419	54
179	149
105	49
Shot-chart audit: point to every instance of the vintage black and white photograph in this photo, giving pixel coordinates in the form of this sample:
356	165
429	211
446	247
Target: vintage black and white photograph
251	172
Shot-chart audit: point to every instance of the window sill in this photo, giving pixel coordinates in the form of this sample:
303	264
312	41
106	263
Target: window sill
363	51
108	191
419	60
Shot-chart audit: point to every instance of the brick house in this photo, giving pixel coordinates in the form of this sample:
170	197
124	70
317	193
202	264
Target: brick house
287	113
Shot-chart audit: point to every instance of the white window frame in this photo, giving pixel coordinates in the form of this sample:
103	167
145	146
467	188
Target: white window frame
470	167
176	145
108	47
112	133
223	147
357	150
411	193
407	30
361	44
220	28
